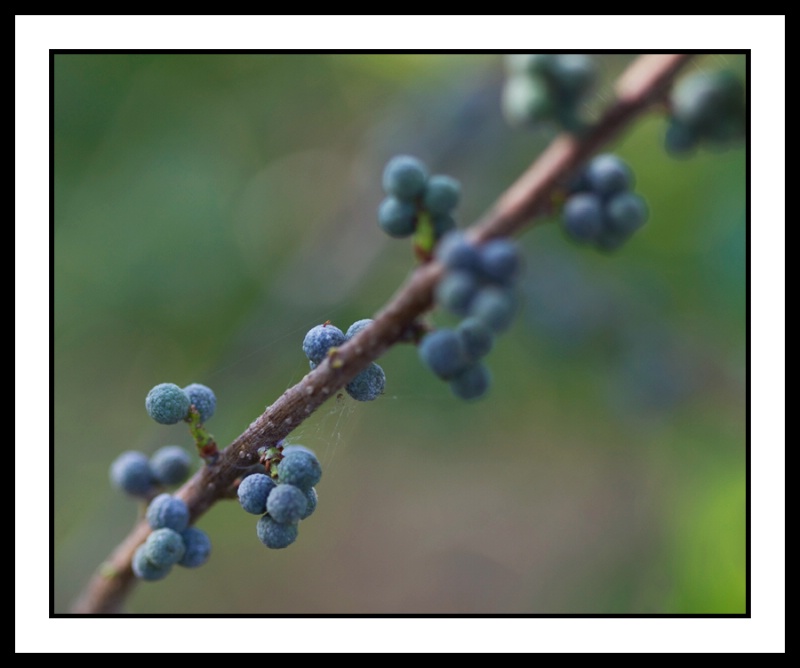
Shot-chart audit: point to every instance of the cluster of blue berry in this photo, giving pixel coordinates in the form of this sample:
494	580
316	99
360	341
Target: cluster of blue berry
546	87
706	107
478	286
320	340
172	541
284	495
167	403
137	474
414	196
602	209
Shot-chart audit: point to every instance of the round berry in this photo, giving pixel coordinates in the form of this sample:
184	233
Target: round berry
583	217
367	385
166	403
456	291
299	467
275	535
198	548
131	472
320	339
455	252
203	400
167	511
404	177
443	353
607	174
573	74
500	260
625	213
144	569
253	492
494	307
286	503
472	382
164	547
396	217
356	327
311	498
476	337
170	464
441	194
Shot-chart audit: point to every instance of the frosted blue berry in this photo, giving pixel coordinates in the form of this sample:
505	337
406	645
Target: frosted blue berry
356	327
167	511
625	213
476	337
495	307
583	217
253	492
441	194
170	464
198	548
526	100
299	467
311	498
443	352
455	252
131	472
167	403
144	569
573	74
680	139
396	217
286	503
203	400
442	224
164	547
456	291
500	260
320	339
404	177
275	535
472	382
607	174
368	385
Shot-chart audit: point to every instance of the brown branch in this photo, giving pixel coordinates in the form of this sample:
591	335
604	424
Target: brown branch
644	82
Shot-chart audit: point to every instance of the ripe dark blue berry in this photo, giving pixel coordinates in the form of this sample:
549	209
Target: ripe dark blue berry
131	472
198	548
203	399
404	177
299	467
170	464
368	385
167	511
320	339
274	534
164	547
442	351
253	492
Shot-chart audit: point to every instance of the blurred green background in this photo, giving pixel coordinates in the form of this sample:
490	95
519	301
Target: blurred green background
210	209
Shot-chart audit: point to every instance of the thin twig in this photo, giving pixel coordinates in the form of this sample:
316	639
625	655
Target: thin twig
643	83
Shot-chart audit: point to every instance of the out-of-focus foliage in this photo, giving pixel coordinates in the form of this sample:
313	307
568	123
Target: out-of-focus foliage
211	209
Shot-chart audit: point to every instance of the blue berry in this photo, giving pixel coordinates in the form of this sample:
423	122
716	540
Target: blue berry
356	327
625	213
275	535
164	547
583	217
443	352
167	403
286	503
367	385
144	569
203	400
495	307
198	548
455	252
680	138
442	224
404	177
441	194
477	338
500	260
574	74
607	175
320	339
526	100
170	464
396	217
253	492
167	511
456	291
311	498
472	382
131	472
299	467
